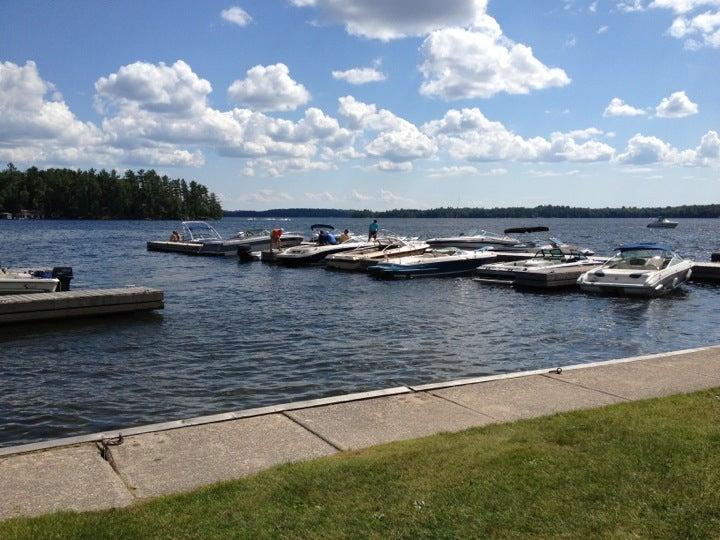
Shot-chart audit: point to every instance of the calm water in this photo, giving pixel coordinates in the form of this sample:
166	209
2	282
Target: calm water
234	336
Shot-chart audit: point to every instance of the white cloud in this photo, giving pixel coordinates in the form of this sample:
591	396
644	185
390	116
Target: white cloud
604	28
38	127
552	174
682	6
643	150
696	29
269	88
156	88
454	170
393	166
396	143
479	63
356	195
401	145
678	105
709	148
389	196
267	196
617	107
360	75
386	20
705	27
647	150
631	6
322	196
236	15
592	8
468	134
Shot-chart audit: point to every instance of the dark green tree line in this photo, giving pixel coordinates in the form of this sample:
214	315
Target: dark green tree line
546	211
91	194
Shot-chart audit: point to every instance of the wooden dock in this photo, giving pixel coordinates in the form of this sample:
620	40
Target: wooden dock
193	248
706	272
79	303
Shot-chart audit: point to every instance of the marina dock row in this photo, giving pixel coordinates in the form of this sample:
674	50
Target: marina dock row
117	468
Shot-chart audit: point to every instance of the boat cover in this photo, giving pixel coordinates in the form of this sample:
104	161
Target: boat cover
652	246
526	229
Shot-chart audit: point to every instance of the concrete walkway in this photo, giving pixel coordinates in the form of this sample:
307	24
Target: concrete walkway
93	472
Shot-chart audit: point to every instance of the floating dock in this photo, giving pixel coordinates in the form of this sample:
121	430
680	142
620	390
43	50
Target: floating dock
706	272
79	303
189	248
119	467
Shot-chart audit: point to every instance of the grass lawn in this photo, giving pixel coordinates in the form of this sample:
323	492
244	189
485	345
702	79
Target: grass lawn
644	469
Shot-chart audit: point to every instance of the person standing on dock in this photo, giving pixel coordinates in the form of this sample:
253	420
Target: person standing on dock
373	230
275	235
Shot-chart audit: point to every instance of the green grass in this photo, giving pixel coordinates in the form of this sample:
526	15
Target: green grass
644	469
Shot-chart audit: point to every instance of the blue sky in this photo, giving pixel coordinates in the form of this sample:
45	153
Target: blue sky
374	104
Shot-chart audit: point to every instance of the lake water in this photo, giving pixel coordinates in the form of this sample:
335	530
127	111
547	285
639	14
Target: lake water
234	336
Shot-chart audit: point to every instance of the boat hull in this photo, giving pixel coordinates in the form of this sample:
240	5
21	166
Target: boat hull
458	267
360	263
469	243
616	286
28	286
311	257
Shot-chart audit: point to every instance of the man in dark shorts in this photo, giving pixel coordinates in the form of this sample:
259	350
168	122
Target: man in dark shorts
373	230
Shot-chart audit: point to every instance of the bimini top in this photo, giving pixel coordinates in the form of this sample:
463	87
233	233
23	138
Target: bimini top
650	246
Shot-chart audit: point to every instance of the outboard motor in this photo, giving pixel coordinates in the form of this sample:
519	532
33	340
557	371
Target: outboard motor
65	275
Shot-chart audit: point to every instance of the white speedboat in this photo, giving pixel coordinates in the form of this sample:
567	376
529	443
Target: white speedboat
382	250
314	253
662	223
27	282
642	269
259	240
433	263
554	267
472	240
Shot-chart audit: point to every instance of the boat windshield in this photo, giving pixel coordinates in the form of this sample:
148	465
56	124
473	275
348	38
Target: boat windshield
194	231
252	233
636	259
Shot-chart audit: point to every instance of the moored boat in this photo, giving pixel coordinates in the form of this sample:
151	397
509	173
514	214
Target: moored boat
662	223
27	281
642	269
382	250
549	268
472	240
201	238
433	263
315	253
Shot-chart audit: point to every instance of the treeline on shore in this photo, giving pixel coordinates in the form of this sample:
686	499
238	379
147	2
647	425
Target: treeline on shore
545	211
91	194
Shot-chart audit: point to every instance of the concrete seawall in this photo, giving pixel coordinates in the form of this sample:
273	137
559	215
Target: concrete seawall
114	469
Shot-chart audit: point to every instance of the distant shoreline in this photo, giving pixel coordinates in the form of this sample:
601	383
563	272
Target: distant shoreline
545	212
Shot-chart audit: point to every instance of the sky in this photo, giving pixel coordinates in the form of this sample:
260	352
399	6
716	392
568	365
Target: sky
371	103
